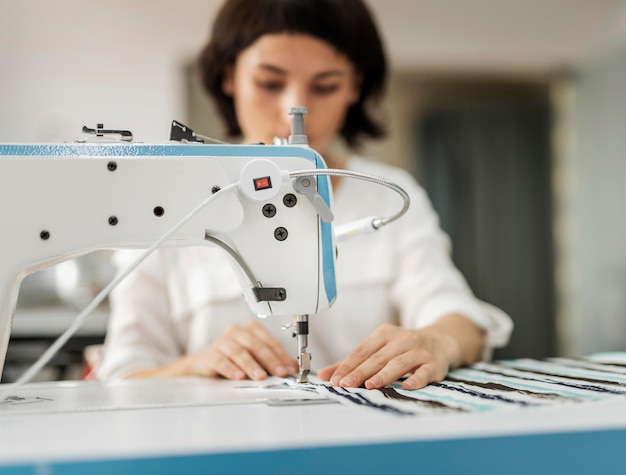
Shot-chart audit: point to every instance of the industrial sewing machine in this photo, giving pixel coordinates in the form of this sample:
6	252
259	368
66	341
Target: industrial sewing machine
260	203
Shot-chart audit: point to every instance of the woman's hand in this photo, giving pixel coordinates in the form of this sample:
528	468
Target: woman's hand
426	354
246	350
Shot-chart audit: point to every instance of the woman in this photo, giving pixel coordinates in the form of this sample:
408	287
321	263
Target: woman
402	307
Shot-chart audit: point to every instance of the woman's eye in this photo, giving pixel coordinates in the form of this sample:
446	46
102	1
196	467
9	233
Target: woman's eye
325	88
270	86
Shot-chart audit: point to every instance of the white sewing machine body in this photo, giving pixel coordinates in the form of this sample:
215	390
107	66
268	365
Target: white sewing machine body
64	200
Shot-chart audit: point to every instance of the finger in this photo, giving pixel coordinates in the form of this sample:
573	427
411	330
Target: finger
277	349
424	375
325	373
222	366
403	354
242	358
368	347
259	349
381	366
395	368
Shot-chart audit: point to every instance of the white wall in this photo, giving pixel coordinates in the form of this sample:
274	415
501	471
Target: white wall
590	186
69	63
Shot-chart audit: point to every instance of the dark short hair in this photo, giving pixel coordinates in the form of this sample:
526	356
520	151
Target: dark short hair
347	25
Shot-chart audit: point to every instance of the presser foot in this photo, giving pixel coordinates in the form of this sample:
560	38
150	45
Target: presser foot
305	368
301	323
303	377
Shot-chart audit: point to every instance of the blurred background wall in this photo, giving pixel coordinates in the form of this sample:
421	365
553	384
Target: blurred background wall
511	114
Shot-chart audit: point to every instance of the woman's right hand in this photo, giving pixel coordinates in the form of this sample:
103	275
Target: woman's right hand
246	350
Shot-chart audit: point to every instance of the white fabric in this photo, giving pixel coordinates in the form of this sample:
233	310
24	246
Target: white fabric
181	300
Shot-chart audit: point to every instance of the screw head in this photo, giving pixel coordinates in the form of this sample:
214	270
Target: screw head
280	233
269	210
290	200
45	235
158	211
215	189
112	166
113	220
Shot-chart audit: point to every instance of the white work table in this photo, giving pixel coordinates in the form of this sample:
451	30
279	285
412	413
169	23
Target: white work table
215	426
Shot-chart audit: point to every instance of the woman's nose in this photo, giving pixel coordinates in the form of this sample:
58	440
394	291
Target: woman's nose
293	97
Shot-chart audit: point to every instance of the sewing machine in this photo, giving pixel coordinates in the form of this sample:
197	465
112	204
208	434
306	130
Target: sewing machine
107	193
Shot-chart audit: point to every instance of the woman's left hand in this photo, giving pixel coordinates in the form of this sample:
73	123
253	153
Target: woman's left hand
425	354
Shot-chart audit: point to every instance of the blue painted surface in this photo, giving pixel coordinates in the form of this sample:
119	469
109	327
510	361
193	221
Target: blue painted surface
571	453
328	261
156	150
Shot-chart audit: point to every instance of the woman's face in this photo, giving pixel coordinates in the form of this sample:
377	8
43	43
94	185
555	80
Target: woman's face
280	71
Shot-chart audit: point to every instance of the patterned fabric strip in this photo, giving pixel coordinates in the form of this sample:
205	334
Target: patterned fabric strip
503	385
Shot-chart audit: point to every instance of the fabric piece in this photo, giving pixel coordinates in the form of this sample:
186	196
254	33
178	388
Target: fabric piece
498	386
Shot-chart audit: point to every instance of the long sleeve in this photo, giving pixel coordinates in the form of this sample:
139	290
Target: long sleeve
140	332
425	285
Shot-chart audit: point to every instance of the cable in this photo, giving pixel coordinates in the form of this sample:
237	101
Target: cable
376	222
82	316
235	255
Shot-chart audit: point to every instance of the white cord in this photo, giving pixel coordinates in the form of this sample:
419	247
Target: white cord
82	316
376	222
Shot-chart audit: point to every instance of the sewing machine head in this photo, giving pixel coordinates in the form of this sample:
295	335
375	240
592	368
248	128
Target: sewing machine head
64	200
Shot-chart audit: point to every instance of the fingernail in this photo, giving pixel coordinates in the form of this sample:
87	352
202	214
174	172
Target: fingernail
258	374
335	380
280	370
348	381
408	384
374	382
239	375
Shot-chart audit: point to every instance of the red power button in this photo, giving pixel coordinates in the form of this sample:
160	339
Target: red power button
262	183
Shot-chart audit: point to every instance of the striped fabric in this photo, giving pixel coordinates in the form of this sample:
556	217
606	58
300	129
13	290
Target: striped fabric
494	386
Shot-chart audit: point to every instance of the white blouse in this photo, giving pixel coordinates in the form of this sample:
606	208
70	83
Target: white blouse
180	300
